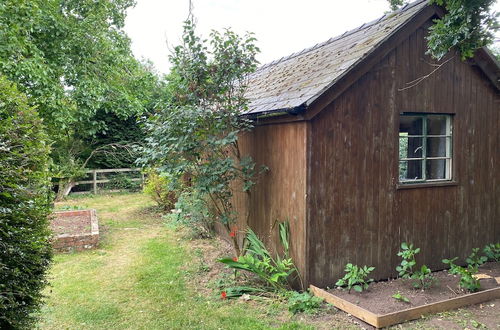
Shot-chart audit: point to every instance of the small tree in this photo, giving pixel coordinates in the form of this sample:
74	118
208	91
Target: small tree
197	133
24	207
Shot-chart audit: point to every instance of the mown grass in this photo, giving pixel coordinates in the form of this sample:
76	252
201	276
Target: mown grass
138	279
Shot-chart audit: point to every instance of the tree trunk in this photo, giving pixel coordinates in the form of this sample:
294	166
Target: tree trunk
64	188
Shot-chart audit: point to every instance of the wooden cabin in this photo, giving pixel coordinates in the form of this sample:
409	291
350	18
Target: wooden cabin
369	143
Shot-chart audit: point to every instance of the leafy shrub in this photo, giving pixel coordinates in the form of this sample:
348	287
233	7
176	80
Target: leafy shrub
303	302
123	181
24	208
273	272
422	277
475	260
157	186
355	278
492	251
467	280
191	211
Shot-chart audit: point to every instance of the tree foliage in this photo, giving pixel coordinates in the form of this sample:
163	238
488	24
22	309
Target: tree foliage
73	61
24	207
197	133
466	26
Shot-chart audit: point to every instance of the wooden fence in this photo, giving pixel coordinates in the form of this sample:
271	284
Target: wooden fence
95	177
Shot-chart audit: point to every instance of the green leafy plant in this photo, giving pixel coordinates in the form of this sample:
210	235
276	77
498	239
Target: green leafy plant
197	132
399	297
272	272
422	277
405	269
191	212
157	186
466	26
123	181
475	260
74	60
467	280
303	303
492	251
25	199
355	278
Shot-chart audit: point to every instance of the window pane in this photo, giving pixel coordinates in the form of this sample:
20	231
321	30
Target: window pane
403	145
410	147
411	125
410	170
437	147
436	125
437	169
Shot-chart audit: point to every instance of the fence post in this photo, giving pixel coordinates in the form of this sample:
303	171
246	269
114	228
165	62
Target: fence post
94	178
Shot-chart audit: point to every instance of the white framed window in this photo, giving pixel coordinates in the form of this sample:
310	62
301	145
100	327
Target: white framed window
425	148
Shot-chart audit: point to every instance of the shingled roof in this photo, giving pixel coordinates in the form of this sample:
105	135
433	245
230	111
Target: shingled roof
295	81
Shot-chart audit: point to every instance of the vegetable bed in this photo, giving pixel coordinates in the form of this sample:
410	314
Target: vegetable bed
379	307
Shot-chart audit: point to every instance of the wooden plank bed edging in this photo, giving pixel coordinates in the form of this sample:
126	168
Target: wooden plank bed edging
385	320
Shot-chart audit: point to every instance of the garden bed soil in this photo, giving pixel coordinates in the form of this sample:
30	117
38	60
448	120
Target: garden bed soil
378	298
70	225
74	230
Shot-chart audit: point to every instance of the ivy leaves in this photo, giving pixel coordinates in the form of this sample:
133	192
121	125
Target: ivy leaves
467	26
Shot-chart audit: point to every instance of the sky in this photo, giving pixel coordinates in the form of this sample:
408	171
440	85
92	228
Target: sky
280	26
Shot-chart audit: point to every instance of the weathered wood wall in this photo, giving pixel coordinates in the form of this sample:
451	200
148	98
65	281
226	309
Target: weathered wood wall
357	211
279	194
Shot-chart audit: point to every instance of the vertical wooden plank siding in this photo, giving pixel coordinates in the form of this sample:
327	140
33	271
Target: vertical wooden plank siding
357	212
280	193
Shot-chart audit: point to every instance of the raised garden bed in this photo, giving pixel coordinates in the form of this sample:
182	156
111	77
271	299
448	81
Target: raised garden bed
377	307
75	230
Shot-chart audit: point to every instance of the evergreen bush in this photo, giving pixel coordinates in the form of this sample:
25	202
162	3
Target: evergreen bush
25	251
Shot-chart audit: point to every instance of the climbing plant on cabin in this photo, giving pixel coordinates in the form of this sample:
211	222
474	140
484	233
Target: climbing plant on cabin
467	25
196	134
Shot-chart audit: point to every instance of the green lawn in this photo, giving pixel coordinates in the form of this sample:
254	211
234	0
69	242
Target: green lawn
145	275
138	279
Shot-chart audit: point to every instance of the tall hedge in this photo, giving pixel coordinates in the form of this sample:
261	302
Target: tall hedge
25	251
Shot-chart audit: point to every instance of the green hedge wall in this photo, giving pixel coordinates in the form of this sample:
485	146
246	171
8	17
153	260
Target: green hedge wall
25	251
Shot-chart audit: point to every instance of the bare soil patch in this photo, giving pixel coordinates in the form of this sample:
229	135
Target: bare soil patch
70	225
74	230
378	298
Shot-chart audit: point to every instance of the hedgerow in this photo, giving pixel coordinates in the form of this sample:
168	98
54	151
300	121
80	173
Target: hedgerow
24	208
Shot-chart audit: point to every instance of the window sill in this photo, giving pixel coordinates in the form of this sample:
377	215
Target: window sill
426	184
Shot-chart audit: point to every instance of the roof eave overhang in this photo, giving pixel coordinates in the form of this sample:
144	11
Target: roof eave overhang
490	66
313	106
278	115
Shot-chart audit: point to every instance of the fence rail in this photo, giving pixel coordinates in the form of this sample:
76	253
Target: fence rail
95	181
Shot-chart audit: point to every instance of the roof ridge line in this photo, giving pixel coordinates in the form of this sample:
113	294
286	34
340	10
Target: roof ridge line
341	36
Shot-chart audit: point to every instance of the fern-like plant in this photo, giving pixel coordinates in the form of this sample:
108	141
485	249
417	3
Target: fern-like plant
272	271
